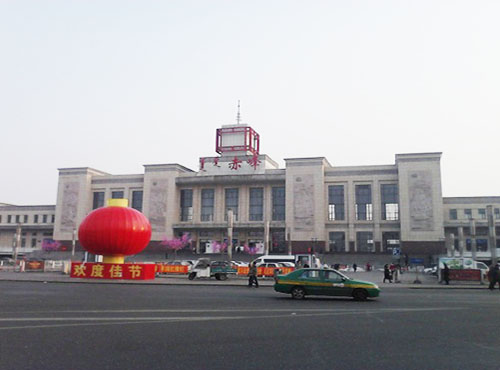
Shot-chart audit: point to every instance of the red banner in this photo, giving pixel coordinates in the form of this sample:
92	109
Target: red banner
265	271
171	269
126	271
34	266
465	274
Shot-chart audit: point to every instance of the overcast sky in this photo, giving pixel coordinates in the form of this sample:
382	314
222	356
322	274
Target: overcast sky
114	85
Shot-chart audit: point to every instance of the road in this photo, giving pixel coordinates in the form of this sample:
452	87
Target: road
109	326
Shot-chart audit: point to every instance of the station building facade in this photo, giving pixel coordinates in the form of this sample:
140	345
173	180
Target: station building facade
309	205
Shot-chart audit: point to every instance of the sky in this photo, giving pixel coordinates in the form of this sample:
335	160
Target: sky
114	85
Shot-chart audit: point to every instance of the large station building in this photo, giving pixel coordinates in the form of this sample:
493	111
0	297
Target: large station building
308	205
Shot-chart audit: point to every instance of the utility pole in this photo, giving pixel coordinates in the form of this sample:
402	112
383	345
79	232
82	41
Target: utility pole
230	234
451	245
266	238
73	243
473	245
492	237
461	246
17	242
313	243
289	241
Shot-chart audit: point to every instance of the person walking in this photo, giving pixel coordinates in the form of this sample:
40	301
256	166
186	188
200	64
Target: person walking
252	275
446	274
387	274
354	267
494	276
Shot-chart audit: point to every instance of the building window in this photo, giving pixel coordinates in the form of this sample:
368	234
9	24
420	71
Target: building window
364	210
23	243
231	202
33	243
390	202
137	200
453	214
468	213
364	240
9	219
35	219
118	194
482	213
256	204
0	219
98	201
18	219
390	240
335	202
337	241
278	203
53	218
186	205
497	213
25	219
207	204
44	218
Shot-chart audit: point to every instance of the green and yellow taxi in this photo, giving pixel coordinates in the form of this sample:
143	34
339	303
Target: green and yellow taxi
303	282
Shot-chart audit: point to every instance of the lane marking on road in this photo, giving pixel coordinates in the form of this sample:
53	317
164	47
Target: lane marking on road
102	321
195	310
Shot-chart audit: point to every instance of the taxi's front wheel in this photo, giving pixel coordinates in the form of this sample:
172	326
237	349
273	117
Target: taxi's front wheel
360	294
298	293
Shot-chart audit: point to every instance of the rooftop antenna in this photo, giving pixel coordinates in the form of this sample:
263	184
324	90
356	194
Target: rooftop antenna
238	116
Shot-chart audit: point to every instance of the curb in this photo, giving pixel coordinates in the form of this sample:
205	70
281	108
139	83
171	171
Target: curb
209	283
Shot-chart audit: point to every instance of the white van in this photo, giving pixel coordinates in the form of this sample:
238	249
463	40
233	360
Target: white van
305	259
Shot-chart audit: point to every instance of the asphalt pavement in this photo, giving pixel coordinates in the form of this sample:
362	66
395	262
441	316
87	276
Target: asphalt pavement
410	280
169	326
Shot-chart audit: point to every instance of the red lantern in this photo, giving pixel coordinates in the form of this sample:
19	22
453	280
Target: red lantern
115	231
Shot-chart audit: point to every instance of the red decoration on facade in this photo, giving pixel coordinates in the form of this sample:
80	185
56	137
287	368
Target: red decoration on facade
216	161
254	161
235	163
115	231
202	164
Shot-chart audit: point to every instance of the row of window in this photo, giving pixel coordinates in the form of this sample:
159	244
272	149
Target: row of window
364	241
34	240
17	219
137	195
389	196
468	214
231	202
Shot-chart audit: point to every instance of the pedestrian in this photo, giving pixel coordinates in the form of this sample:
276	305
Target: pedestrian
354	267
446	274
368	266
252	275
493	276
387	273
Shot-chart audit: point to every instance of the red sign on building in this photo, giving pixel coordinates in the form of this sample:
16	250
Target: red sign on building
125	271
